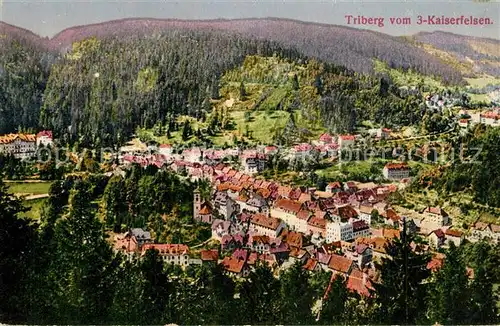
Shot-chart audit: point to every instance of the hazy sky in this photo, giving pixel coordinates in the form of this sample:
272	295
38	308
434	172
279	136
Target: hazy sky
46	18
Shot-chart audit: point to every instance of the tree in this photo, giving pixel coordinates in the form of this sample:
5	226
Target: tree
259	295
17	236
451	286
333	311
402	276
484	310
83	266
243	92
296	297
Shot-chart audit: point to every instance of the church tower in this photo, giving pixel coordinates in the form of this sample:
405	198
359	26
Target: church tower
196	204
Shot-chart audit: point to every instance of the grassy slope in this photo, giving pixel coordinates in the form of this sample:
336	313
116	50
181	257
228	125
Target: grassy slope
268	80
34	188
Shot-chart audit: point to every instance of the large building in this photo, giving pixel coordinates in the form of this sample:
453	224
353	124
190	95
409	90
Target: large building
24	145
396	171
19	145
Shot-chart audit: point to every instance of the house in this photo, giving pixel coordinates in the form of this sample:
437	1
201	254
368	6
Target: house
235	266
44	138
384	133
338	231
269	150
253	163
434	218
19	145
490	118
396	171
364	211
126	244
220	228
301	150
312	265
265	225
317	226
360	283
391	218
361	255
482	230
340	265
346	141
325	139
142	237
261	243
463	123
360	229
209	256
287	211
176	254
436	238
454	236
225	205
334	187
297	254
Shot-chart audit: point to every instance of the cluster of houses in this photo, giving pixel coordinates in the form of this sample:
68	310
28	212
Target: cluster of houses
261	220
490	118
24	145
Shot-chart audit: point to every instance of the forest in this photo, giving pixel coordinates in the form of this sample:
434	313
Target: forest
62	270
98	93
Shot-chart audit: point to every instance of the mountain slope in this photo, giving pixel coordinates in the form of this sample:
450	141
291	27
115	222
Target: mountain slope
477	55
349	47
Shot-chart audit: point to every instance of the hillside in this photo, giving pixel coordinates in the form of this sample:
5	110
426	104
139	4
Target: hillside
349	47
466	53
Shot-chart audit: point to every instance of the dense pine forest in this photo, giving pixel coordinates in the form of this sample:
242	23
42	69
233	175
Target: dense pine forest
101	90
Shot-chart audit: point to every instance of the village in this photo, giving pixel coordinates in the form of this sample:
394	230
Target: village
344	228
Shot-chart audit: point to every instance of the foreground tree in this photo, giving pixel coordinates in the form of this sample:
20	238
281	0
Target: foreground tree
401	290
17	236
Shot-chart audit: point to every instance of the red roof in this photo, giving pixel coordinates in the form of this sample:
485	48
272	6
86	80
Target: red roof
233	265
340	264
165	249
397	166
326	137
267	222
347	137
359	282
209	255
289	205
454	233
311	264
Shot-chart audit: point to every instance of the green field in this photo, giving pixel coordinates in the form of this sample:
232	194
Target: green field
34	188
483	81
35	208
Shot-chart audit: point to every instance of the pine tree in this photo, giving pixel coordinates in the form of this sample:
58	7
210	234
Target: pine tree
451	287
401	291
333	311
296	297
17	237
484	310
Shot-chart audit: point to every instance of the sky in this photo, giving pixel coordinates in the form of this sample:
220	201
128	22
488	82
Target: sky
48	17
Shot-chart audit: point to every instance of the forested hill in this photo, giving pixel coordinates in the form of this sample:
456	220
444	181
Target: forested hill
482	55
349	47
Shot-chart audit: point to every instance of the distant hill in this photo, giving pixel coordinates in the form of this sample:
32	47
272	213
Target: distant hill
8	31
350	47
467	53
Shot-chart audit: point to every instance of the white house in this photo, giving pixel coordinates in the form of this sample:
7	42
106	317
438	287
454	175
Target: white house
396	171
338	232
